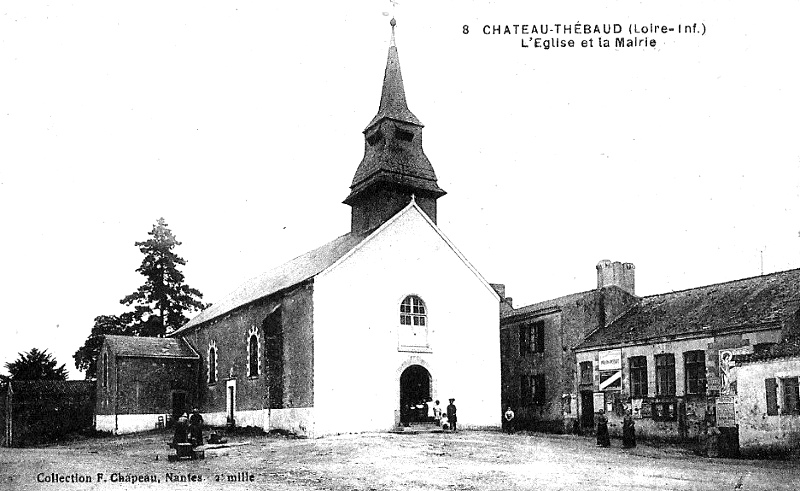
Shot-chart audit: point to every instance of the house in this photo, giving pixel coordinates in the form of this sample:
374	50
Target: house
537	347
354	335
43	411
768	402
143	382
670	357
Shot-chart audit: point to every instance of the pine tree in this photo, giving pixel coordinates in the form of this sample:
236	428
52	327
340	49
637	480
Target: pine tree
161	303
159	306
35	365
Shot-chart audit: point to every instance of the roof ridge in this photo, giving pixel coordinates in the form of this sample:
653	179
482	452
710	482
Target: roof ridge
775	273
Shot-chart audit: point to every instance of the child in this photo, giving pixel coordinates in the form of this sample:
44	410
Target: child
445	425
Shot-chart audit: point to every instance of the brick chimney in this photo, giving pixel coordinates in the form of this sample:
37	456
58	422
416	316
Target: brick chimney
616	274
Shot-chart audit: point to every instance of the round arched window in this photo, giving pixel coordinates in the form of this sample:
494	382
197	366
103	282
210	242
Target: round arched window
412	312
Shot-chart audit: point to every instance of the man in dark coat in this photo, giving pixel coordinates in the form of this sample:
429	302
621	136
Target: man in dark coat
451	414
196	428
603	439
628	431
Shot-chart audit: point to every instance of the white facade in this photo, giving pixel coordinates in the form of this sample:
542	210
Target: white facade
759	428
361	348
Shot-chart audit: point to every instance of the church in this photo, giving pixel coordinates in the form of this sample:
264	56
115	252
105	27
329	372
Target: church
350	337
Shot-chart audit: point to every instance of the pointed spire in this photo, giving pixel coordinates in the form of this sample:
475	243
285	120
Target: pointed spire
393	96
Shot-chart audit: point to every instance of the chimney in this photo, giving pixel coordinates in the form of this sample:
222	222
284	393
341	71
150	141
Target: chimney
506	303
616	274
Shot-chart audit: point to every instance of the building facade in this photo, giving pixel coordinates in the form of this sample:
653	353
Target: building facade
351	336
671	358
537	346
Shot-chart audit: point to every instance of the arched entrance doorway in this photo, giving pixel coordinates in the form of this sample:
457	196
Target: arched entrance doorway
415	391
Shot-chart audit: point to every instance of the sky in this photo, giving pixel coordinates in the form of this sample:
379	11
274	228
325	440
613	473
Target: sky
241	124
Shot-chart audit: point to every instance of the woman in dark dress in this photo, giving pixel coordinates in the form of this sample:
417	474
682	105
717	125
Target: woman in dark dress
602	429
628	431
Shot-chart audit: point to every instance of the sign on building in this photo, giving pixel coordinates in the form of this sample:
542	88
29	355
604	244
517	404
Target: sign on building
726	413
610	360
599	401
611	380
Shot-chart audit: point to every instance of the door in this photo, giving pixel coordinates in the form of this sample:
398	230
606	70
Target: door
587	409
178	405
230	402
415	391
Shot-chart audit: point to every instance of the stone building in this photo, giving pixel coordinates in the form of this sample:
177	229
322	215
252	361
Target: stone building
350	336
670	357
143	381
538	341
768	399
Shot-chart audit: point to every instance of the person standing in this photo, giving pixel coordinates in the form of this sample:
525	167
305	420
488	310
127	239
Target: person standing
628	431
451	414
437	413
603	439
196	428
508	416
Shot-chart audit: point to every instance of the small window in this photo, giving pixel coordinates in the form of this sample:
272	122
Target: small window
586	373
412	312
105	369
252	355
665	411
665	374
638	375
375	137
695	369
403	135
212	364
791	395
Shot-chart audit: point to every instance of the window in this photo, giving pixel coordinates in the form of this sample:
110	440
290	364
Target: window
413	333
212	363
586	373
531	338
538	389
105	369
404	135
665	374
638	371
531	390
412	311
791	395
695	369
771	387
252	356
665	411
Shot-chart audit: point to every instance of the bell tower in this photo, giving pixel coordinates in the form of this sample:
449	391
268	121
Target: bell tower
394	169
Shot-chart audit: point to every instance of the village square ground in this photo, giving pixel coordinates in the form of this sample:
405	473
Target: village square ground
468	460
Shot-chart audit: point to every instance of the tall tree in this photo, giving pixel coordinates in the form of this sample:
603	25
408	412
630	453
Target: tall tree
35	365
86	356
161	303
159	306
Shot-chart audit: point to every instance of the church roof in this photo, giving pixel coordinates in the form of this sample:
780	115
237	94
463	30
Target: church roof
393	95
761	302
284	276
150	347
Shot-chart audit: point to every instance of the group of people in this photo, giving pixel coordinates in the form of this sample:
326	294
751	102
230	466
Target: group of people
628	430
189	429
447	418
603	438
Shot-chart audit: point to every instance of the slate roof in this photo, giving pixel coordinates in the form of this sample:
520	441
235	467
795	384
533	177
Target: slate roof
555	303
147	347
787	348
284	276
393	94
750	303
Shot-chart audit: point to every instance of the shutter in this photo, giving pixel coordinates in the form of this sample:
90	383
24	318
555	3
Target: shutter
540	337
772	396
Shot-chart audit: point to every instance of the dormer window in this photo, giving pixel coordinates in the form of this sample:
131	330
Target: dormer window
375	137
403	135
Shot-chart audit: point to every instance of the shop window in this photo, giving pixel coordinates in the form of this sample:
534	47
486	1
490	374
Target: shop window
695	369
638	375
665	374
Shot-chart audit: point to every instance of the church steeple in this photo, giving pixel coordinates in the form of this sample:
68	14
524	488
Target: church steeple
394	167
